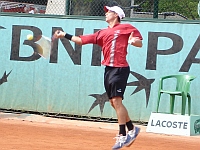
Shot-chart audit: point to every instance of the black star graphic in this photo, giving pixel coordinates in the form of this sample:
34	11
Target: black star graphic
4	78
100	100
2	27
142	83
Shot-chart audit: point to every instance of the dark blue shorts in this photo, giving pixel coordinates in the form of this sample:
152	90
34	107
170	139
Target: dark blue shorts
115	80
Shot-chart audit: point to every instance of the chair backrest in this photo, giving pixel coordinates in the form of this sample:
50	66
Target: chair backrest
183	82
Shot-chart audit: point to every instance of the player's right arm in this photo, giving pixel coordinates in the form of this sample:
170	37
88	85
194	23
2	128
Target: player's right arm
76	39
73	38
81	40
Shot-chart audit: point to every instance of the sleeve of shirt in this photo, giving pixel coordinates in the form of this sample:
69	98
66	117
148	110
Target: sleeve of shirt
130	28
136	33
89	39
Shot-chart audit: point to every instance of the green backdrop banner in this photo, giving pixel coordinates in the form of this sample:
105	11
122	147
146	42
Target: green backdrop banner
71	81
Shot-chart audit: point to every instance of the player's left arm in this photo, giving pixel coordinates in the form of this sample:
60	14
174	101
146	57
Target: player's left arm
134	40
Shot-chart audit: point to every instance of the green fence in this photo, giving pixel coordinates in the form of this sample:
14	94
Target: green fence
157	9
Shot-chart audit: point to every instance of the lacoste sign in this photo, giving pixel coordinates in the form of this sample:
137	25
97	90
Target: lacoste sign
169	124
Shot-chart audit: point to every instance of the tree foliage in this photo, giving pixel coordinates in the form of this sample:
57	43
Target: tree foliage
187	8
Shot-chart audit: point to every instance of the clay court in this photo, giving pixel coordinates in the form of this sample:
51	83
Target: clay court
32	132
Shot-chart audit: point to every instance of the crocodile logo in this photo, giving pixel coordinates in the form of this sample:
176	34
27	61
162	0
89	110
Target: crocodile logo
197	126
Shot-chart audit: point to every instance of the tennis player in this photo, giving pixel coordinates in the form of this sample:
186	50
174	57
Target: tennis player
114	41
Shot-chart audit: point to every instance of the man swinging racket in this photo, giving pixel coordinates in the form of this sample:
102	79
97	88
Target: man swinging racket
114	41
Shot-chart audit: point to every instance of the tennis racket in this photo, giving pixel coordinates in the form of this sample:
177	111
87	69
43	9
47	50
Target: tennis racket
45	45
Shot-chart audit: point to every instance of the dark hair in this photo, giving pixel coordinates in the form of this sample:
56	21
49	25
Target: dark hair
112	3
118	19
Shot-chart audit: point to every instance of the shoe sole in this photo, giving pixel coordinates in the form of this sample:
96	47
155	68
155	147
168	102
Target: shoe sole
128	145
118	148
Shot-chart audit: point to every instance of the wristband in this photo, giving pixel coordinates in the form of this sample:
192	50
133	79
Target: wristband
68	36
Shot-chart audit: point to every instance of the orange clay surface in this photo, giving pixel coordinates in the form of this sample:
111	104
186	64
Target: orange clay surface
33	132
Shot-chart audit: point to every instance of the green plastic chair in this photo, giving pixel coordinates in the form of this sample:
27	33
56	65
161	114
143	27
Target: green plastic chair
182	89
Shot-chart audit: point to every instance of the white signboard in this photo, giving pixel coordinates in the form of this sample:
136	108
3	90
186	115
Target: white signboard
173	124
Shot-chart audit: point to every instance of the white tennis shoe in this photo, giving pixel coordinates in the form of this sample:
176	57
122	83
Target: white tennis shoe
131	136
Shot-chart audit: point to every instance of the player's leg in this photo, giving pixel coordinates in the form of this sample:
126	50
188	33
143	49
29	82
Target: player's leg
132	133
129	123
121	112
114	83
115	80
123	118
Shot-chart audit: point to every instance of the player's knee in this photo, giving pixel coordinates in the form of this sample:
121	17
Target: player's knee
116	102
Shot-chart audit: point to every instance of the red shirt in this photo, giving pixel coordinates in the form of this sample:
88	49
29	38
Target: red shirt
114	43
